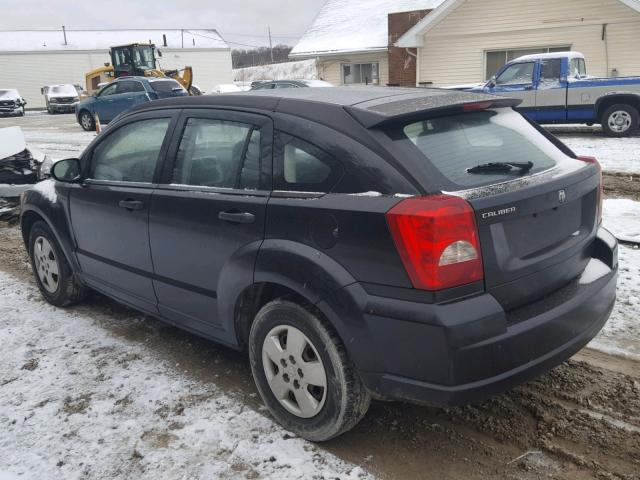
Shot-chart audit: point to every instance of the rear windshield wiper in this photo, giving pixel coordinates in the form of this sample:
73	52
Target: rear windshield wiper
502	167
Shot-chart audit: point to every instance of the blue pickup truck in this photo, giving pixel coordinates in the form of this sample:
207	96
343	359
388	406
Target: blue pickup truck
555	88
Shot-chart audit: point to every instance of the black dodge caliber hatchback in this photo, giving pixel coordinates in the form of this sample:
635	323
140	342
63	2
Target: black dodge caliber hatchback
425	245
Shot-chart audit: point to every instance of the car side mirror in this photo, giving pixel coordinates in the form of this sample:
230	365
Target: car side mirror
67	171
492	82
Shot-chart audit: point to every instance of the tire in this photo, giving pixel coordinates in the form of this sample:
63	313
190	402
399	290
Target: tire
61	289
50	110
326	412
87	121
620	120
22	112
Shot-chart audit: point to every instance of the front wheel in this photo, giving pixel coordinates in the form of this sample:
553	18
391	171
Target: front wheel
87	122
54	276
303	373
620	120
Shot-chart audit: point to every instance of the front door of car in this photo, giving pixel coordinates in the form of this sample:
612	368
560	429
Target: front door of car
517	81
104	104
207	216
110	209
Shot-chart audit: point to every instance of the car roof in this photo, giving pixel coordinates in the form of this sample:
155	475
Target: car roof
371	106
543	56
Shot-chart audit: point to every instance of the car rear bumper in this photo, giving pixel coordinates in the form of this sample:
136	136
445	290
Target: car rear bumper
465	351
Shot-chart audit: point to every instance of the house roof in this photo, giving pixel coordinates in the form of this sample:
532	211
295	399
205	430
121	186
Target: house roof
344	26
53	40
413	37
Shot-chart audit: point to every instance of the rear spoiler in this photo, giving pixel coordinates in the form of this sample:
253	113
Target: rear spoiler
421	108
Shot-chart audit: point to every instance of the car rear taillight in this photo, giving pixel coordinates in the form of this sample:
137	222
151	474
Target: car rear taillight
594	161
437	239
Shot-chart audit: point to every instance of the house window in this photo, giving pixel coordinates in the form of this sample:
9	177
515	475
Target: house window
496	59
360	73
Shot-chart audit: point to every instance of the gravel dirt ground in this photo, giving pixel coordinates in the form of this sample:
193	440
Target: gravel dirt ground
580	421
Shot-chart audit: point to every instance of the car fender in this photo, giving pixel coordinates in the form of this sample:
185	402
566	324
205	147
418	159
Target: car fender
319	279
49	202
625	96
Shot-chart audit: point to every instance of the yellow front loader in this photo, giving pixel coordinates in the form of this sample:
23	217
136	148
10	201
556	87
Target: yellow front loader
134	59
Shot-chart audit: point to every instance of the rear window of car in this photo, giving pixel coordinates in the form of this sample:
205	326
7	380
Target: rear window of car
454	144
165	85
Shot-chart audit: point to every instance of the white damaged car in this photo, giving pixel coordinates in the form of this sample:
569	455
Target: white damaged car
11	102
20	166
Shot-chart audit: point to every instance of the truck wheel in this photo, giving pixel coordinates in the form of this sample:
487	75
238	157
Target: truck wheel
620	120
54	276
303	373
87	122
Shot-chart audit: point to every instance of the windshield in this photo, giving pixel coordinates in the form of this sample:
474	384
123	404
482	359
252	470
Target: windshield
9	94
457	143
143	58
63	90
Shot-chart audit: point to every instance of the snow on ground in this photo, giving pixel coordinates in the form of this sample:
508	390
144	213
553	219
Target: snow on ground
622	217
76	402
614	154
303	69
621	334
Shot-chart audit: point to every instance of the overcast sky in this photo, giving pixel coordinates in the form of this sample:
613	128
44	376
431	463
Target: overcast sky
239	21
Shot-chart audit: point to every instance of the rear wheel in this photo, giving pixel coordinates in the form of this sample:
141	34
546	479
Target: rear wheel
620	120
54	276
303	373
87	121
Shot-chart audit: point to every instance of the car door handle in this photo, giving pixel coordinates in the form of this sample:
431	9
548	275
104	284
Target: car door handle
237	217
131	204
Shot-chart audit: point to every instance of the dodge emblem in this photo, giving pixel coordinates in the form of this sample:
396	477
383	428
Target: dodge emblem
562	196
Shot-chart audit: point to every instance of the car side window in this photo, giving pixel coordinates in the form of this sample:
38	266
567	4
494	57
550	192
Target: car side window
518	74
550	70
130	153
303	167
129	86
218	153
110	90
285	85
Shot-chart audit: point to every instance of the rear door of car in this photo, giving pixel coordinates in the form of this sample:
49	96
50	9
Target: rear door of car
209	211
128	94
110	209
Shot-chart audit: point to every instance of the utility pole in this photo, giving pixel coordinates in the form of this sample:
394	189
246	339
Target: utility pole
270	44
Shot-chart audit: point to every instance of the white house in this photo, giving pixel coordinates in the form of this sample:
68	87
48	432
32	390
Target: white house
31	59
350	39
464	41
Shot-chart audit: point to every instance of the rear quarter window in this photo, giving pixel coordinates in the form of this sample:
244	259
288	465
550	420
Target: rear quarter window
456	143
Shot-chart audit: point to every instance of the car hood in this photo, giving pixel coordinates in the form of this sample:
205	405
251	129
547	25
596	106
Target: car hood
62	95
11	141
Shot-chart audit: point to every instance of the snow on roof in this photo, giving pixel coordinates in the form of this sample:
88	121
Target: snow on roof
414	36
354	26
53	40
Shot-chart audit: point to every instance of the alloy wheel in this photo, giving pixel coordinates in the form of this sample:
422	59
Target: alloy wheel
295	373
620	121
46	264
